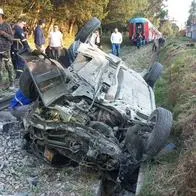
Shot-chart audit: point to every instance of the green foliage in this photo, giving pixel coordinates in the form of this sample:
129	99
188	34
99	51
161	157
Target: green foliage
169	29
74	13
122	11
157	177
192	14
175	173
119	12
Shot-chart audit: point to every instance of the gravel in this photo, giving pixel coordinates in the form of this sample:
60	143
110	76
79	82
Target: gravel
23	174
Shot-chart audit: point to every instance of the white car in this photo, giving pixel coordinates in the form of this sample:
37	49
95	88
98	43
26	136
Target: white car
97	112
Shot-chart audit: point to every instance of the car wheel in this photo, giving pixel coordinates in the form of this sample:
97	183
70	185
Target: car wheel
102	127
27	86
72	51
64	58
88	29
160	123
83	36
153	74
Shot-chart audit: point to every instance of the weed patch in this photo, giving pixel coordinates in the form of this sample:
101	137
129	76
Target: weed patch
175	174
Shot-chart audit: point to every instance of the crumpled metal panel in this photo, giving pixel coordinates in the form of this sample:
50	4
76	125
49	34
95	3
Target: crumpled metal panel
91	144
135	92
49	79
92	65
128	90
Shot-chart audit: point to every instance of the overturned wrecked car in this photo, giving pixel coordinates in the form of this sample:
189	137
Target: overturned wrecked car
97	112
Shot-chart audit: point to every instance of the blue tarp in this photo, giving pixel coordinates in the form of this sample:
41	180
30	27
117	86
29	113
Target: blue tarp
138	20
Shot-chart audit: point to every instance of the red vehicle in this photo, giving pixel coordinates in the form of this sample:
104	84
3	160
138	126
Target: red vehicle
142	26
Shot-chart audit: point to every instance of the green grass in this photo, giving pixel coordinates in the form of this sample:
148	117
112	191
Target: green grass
158	175
175	91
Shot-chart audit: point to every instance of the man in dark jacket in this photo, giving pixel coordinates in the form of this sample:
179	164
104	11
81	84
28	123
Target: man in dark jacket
19	35
6	37
39	38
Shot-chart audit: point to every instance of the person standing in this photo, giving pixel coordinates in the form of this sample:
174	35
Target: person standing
95	39
155	44
139	40
39	38
56	42
19	35
6	38
143	40
116	40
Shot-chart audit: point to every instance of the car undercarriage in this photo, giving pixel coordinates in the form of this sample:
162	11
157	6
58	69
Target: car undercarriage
97	113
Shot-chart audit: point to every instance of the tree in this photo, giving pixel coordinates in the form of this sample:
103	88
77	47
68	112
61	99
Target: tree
119	12
168	29
122	11
82	11
156	11
192	14
72	14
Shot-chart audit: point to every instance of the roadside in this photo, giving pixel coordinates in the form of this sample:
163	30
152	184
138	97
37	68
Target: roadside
138	59
174	173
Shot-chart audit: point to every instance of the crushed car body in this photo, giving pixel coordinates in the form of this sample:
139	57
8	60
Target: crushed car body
98	112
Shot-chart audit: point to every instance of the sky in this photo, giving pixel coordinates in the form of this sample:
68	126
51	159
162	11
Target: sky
179	10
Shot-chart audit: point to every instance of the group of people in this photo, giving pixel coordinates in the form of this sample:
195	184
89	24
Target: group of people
13	42
139	39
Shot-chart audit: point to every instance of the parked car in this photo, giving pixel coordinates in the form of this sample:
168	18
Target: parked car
97	112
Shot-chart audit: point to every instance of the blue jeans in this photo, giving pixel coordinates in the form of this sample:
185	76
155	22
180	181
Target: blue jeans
116	49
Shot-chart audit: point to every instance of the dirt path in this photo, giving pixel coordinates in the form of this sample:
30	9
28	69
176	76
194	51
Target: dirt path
138	59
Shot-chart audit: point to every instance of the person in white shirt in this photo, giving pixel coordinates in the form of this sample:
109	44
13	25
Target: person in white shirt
116	40
56	42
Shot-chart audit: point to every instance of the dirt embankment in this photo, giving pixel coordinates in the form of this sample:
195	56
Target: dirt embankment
174	174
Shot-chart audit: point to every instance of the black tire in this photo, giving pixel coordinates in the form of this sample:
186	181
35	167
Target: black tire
83	36
27	86
72	51
88	29
64	58
102	127
162	124
153	74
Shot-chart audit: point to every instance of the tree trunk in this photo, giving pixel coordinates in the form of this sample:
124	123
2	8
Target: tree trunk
71	25
35	21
